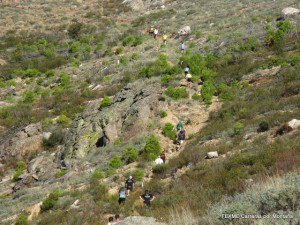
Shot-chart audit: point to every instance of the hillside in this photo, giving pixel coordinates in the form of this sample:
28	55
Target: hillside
89	97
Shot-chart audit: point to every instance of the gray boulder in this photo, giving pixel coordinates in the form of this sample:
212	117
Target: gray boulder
289	11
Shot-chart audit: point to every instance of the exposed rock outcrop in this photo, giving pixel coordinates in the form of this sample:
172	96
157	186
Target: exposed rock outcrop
132	110
26	141
289	11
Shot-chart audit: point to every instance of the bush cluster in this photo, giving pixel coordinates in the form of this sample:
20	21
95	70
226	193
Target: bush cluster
152	148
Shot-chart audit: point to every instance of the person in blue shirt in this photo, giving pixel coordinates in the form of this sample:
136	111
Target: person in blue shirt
186	70
182	47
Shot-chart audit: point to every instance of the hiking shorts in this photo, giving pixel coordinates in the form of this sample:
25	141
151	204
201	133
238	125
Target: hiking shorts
129	188
122	200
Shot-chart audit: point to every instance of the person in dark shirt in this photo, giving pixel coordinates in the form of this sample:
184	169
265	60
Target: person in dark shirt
147	198
129	184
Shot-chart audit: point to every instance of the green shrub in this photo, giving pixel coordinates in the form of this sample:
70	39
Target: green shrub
63	120
22	219
97	174
99	46
152	148
166	79
138	174
75	62
64	79
198	34
105	102
263	126
119	50
134	56
28	97
74	30
117	142
159	169
130	155
207	91
75	47
124	60
137	41
21	166
128	40
115	162
27	73
237	127
169	131
163	114
60	173
196	97
51	201
176	93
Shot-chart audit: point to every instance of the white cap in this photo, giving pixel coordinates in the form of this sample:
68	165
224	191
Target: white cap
130	177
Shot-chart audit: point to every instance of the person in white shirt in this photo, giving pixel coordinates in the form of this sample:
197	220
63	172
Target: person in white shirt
159	161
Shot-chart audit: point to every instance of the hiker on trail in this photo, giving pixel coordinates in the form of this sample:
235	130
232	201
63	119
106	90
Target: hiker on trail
155	33
147	198
110	220
186	70
163	156
189	77
122	195
182	47
117	218
181	136
129	183
151	30
158	161
165	39
179	126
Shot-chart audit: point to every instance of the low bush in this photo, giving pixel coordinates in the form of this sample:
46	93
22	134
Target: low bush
105	102
115	162
169	131
51	201
97	174
176	93
159	169
163	114
22	219
21	166
152	148
60	173
63	120
138	174
130	155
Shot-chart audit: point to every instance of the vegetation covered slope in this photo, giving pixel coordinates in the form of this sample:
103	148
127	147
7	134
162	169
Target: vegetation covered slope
62	69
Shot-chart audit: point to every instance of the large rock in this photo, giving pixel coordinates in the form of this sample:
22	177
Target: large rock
139	220
185	30
25	142
294	124
132	110
289	11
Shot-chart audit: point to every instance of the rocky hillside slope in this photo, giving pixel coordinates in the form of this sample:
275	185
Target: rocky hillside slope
88	97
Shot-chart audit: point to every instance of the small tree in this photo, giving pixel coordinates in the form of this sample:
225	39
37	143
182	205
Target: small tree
152	148
130	155
169	131
115	163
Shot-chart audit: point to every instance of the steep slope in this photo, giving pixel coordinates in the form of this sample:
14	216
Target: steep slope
84	88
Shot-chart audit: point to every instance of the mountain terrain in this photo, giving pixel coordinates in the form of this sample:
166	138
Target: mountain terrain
89	97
